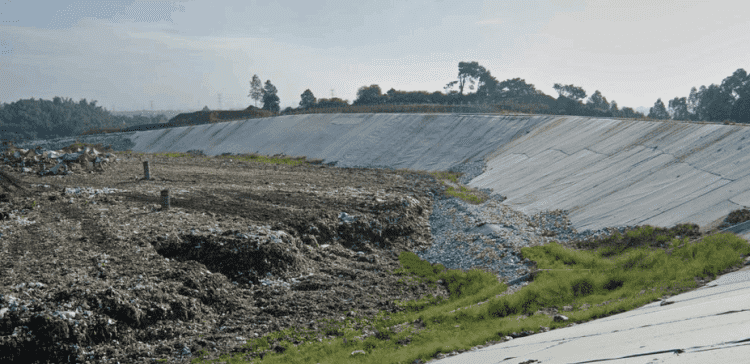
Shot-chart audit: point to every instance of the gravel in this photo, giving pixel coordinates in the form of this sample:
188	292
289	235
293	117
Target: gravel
490	235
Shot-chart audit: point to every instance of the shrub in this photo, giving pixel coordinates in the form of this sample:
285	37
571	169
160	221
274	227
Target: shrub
633	259
614	282
501	308
528	301
462	284
412	263
370	343
582	286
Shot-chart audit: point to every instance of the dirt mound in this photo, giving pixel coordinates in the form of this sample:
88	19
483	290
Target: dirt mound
94	269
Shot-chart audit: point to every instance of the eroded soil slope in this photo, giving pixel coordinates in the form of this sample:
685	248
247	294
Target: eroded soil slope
94	270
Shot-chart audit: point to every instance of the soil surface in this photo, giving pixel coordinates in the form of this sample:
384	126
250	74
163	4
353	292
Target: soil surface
95	270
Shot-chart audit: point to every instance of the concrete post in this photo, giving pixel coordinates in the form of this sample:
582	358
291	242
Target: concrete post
146	171
165	199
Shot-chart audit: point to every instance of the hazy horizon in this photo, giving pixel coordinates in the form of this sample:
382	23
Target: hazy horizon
181	54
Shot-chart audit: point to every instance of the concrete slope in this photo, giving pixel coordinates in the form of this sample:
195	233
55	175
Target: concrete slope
413	141
609	172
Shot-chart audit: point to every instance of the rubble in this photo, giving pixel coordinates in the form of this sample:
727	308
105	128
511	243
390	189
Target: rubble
55	162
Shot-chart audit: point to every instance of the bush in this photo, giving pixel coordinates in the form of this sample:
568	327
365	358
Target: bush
412	263
583	286
633	259
501	308
462	284
614	282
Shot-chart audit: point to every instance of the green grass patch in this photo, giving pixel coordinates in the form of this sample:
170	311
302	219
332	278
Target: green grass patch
618	274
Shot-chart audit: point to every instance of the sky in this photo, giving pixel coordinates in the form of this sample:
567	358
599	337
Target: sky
181	55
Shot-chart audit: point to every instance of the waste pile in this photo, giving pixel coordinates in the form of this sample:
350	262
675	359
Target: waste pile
63	161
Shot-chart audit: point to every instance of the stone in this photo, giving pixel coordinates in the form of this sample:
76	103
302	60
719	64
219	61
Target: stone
560	318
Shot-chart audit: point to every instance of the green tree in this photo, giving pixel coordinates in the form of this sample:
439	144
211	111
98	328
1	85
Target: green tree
468	72
598	102
570	91
741	110
448	87
270	99
369	95
488	85
658	112
678	108
256	89
436	98
307	99
333	102
737	85
516	87
714	104
613	108
692	104
628	112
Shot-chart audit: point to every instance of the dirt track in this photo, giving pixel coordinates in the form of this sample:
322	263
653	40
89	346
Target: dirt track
115	277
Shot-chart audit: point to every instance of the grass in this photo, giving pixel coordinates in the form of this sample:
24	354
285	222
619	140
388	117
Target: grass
594	278
608	283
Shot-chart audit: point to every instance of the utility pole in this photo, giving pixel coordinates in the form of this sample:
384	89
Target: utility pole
152	105
219	100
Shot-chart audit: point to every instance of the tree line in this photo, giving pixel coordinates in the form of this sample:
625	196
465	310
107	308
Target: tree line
30	119
730	101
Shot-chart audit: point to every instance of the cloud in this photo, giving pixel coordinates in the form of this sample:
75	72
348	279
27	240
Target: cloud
491	21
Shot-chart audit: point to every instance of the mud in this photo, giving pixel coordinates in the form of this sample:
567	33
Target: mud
95	270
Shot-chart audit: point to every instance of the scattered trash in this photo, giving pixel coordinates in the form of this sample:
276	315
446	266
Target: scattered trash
55	162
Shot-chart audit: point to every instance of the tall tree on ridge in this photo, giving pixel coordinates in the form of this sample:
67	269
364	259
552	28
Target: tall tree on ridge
307	99
468	71
270	99
692	104
658	112
741	110
714	104
487	84
256	89
570	91
613	108
678	109
598	102
516	87
369	95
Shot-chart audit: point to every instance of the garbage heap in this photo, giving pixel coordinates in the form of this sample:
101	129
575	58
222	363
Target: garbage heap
57	162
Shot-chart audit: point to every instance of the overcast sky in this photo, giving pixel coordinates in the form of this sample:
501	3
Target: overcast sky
182	54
